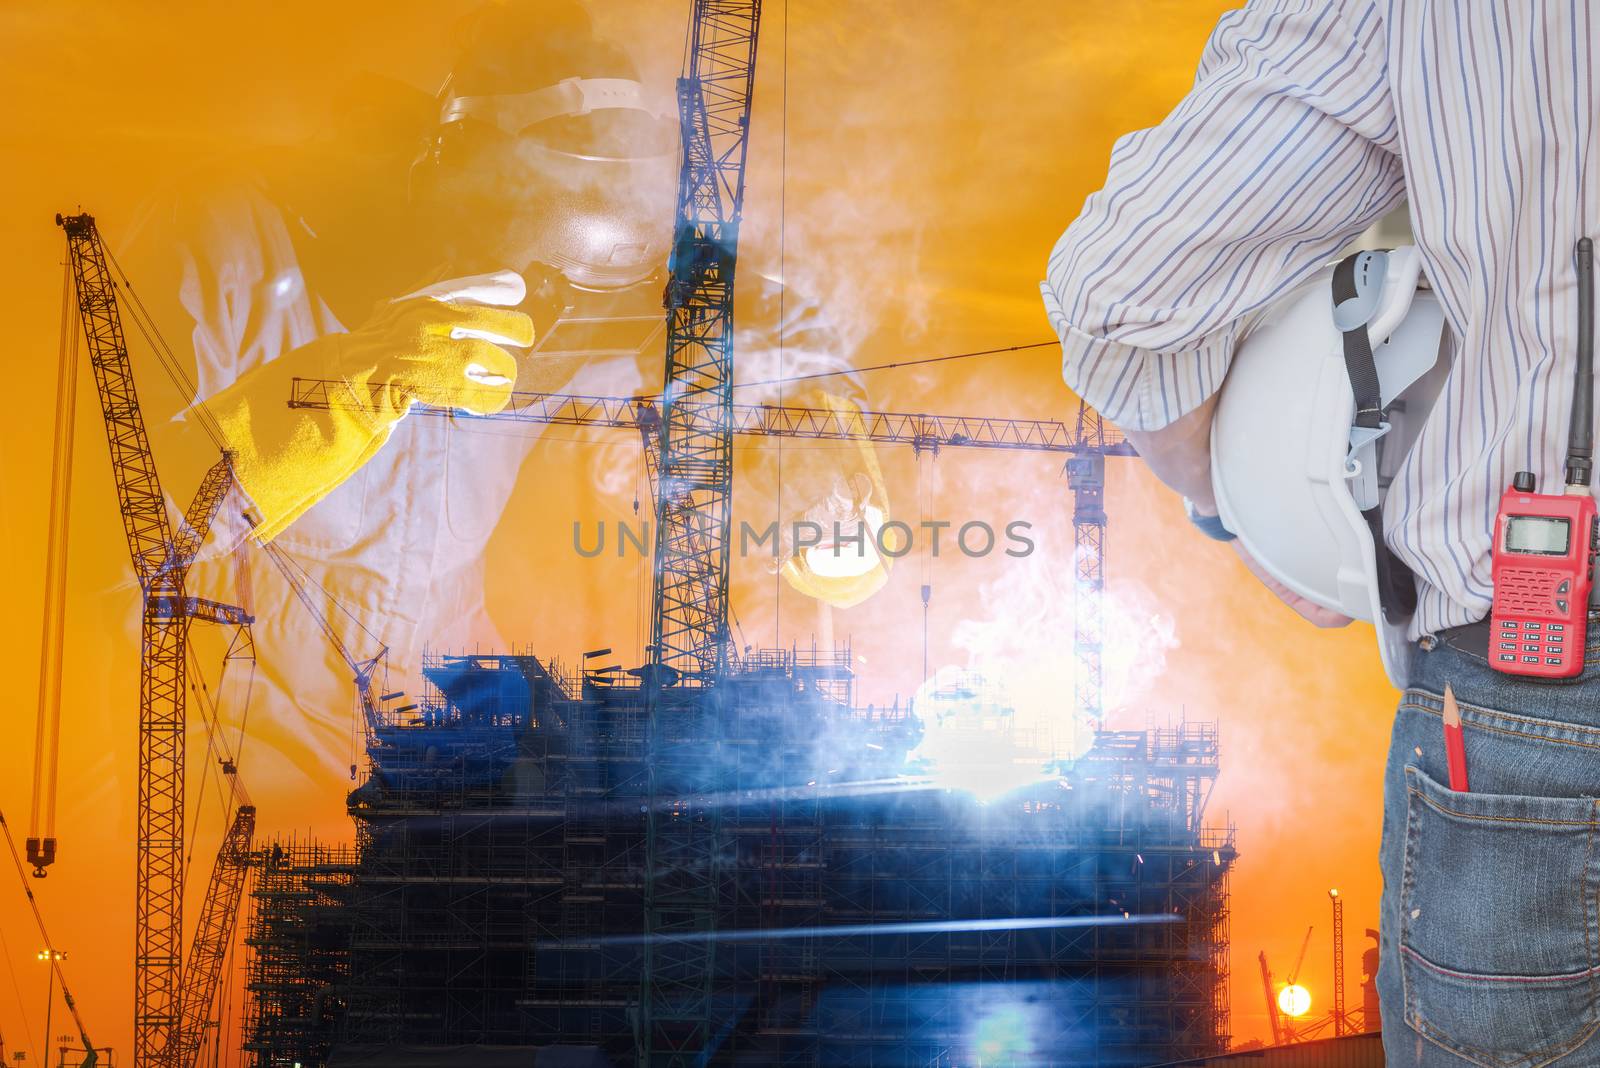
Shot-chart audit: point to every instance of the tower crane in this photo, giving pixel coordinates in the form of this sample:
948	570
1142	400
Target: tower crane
161	558
694	502
1340	1024
1085	442
689	615
689	433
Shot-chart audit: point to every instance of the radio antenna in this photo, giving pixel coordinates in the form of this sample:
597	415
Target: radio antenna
1580	435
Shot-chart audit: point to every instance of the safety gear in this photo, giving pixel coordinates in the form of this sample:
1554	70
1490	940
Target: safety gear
439	346
839	551
1327	391
544	117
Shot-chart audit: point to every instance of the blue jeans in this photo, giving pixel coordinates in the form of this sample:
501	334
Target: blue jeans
1490	917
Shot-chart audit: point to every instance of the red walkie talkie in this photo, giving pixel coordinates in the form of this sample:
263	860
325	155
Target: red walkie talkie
1545	544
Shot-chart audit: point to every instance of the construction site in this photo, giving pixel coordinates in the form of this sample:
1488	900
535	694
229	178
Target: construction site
746	870
719	856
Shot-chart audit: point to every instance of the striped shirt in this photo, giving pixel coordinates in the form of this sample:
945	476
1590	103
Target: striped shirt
1308	121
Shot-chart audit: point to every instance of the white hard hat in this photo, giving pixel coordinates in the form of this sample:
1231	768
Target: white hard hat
1300	473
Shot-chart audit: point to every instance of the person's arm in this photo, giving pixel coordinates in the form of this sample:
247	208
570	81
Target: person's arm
1282	152
1179	454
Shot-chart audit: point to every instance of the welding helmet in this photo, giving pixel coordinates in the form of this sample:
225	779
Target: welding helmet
1327	392
550	150
856	541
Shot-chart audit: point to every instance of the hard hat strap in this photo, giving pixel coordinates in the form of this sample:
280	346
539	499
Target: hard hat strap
1357	285
1397	585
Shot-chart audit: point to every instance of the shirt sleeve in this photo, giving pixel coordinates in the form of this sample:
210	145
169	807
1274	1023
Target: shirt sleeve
1282	152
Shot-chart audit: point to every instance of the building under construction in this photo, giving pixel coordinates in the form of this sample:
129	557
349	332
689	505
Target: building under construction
812	899
719	858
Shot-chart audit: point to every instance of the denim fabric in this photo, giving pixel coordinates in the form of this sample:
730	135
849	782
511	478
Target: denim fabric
1490	917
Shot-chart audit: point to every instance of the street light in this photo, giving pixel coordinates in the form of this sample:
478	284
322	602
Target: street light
49	956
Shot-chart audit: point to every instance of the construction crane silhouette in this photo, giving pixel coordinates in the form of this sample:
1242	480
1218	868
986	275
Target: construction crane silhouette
1283	1030
161	559
1299	961
694	501
1272	1000
213	936
1340	1023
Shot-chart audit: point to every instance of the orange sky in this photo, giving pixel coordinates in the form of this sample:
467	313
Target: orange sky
933	157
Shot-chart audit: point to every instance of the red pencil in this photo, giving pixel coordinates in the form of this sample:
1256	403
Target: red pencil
1455	746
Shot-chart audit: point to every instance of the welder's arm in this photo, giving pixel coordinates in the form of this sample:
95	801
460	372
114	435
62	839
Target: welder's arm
423	349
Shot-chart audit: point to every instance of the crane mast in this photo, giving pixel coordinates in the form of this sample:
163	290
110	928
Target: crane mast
1272	1001
160	562
1340	1022
213	935
689	616
694	499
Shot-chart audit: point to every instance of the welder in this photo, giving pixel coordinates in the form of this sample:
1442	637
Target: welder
507	232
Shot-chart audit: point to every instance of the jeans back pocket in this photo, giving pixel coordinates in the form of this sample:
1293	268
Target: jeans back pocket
1499	944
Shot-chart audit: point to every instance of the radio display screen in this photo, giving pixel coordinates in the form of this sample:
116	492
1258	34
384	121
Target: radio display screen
1539	535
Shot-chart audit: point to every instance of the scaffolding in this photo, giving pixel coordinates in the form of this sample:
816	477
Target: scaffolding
497	892
298	944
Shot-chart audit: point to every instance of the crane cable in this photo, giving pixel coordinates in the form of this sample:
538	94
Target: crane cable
924	506
22	1008
168	359
47	728
232	792
245	597
44	933
997	351
299	579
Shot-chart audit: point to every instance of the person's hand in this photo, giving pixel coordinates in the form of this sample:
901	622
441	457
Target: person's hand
1308	610
436	351
440	346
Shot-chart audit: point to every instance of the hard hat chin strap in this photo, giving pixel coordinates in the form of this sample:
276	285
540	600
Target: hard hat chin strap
1357	289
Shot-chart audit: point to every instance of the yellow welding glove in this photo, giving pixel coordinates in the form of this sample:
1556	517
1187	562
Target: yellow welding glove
840	550
440	346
